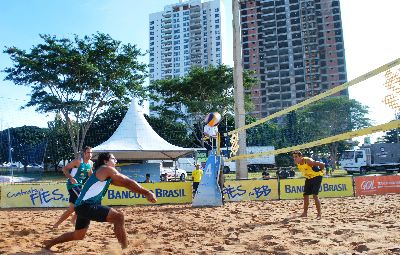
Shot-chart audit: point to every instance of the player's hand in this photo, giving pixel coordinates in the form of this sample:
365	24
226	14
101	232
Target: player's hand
73	181
151	197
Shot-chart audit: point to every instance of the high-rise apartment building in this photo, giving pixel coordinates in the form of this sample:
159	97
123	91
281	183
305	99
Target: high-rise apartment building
296	49
186	34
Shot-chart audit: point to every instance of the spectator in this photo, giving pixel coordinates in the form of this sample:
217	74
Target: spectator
196	177
265	175
148	179
326	163
164	177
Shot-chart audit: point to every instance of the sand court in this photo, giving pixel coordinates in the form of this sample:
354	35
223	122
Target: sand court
353	225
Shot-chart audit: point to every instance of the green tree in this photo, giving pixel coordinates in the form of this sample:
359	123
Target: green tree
58	143
392	136
330	117
265	134
78	78
173	132
4	146
203	90
28	144
291	130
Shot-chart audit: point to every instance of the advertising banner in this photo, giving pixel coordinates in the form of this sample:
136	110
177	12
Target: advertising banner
56	195
377	185
166	193
251	190
34	195
330	187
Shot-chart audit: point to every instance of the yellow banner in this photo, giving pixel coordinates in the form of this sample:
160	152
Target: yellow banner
34	195
251	190
330	187
56	195
166	193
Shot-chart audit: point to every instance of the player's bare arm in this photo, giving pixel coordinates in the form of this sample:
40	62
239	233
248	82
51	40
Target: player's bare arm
313	163
121	180
73	164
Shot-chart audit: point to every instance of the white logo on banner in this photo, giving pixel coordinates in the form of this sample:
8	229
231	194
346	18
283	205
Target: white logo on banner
367	185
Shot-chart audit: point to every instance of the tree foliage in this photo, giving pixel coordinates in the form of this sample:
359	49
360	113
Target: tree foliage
392	136
27	143
189	99
329	117
173	132
265	134
58	143
78	78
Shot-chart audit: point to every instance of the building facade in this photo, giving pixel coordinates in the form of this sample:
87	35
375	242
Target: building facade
296	49
189	33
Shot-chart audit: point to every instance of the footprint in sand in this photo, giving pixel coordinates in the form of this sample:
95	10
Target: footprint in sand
310	241
341	231
361	248
295	231
114	249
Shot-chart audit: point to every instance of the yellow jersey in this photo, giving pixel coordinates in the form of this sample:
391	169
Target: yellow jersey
307	171
196	175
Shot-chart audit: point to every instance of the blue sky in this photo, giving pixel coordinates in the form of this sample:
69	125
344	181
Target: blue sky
370	34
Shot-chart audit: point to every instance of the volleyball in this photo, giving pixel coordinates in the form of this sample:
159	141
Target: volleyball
212	119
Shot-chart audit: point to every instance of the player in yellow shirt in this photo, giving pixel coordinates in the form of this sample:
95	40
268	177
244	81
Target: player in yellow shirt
196	177
313	171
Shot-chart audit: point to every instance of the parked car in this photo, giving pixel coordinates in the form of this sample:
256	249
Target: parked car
169	173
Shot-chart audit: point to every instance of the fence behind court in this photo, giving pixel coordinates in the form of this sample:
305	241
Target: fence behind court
56	195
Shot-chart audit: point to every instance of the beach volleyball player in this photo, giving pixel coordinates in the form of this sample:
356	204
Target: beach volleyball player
88	205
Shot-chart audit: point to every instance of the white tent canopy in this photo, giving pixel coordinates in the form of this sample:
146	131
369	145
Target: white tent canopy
135	139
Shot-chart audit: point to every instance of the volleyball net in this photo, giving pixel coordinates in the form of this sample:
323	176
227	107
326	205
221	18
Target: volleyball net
378	90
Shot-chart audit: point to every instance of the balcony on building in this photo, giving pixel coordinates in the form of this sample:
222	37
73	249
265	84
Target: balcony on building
195	34
166	14
194	10
195	57
166	59
167	46
196	45
167	30
195	25
167	20
166	37
167	26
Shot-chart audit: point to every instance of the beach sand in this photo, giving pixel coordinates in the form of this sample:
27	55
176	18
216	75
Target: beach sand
361	225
